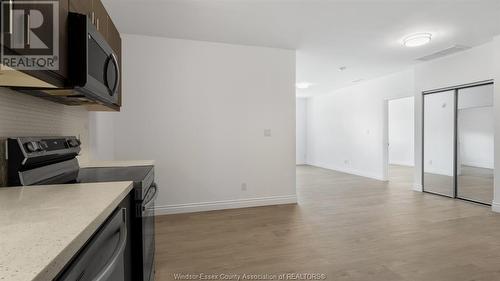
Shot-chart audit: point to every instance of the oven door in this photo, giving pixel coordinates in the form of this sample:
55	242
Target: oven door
148	233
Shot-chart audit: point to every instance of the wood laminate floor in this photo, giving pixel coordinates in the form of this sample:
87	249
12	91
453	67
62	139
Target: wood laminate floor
344	226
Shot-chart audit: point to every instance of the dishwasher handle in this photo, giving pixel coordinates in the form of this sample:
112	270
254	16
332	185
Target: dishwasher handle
108	269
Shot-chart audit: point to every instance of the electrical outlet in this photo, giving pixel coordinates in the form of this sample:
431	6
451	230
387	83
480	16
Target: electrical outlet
244	187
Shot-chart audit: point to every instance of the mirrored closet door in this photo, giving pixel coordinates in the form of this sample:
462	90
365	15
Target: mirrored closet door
458	142
439	137
475	130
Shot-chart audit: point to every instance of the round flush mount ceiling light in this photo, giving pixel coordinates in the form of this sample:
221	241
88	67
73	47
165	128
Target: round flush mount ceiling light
303	85
417	39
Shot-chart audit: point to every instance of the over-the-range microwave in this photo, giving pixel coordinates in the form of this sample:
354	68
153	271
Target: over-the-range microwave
94	71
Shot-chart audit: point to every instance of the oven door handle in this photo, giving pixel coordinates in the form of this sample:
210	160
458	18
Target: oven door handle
107	270
153	188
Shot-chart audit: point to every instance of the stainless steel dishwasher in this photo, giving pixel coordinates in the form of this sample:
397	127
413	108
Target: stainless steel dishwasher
102	258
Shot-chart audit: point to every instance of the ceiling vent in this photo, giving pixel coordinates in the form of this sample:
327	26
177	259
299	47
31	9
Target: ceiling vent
446	52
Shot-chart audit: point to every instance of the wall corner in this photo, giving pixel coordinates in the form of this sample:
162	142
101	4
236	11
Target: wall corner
495	207
417	187
496	106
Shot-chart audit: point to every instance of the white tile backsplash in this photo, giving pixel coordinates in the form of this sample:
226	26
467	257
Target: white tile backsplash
24	115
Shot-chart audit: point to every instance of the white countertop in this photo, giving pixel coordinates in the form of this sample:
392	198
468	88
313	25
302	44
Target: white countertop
43	227
115	163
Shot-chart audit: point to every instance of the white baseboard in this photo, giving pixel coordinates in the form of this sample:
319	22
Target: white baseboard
495	207
406	164
438	172
222	205
484	165
417	187
351	171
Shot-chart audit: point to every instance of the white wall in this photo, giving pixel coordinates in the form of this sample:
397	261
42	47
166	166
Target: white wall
401	120
102	135
496	109
469	66
476	130
439	133
201	110
300	125
476	96
344	139
345	129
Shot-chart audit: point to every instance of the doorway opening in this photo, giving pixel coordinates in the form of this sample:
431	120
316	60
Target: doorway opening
399	145
458	142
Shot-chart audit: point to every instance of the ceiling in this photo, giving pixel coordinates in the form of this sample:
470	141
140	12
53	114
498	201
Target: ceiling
363	35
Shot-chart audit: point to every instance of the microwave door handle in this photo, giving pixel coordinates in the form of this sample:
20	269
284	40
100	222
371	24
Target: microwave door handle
107	270
118	74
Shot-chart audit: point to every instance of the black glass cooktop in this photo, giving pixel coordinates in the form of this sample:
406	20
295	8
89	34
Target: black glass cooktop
142	176
136	174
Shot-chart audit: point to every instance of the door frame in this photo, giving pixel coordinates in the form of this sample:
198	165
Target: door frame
456	89
385	135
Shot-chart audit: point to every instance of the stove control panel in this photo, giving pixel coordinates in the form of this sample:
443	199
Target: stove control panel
49	144
34	153
43	146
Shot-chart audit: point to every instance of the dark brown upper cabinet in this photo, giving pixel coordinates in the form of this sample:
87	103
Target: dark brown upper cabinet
95	11
81	7
101	17
60	79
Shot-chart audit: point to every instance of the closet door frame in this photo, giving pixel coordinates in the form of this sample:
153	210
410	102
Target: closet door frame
455	90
